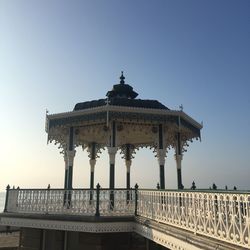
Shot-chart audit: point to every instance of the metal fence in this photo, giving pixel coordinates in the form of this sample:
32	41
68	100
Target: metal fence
224	216
89	202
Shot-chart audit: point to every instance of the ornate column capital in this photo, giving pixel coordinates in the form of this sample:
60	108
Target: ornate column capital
92	163
112	152
128	165
161	155
178	159
70	155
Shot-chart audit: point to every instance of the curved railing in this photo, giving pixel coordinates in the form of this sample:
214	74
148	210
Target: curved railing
224	216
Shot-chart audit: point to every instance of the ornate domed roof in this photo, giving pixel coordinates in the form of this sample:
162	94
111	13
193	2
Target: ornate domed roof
121	95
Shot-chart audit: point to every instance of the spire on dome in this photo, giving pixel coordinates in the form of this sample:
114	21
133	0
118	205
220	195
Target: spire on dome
122	77
122	90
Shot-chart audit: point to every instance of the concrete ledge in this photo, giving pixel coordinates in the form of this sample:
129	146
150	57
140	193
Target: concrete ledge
165	235
79	224
67	217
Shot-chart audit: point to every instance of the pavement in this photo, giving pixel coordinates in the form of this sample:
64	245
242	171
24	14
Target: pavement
9	241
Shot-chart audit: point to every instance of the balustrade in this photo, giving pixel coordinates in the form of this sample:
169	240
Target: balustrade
224	216
221	215
75	201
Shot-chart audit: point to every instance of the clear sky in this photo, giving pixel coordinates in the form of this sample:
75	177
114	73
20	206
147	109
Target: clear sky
54	54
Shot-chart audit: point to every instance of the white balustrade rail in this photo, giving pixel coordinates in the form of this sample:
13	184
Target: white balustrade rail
221	215
224	216
124	202
75	202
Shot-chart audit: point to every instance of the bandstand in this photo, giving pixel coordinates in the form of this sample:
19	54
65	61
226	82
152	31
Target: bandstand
122	122
126	218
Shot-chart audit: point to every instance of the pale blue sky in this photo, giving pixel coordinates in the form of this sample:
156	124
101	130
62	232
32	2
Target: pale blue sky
54	54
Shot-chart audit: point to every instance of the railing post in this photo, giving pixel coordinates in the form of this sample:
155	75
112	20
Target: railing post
47	199
97	213
6	198
69	197
136	197
128	198
112	199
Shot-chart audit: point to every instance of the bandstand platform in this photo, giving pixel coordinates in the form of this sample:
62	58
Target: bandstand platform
125	218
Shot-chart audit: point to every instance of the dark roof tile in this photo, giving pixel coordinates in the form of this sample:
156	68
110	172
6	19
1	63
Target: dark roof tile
138	103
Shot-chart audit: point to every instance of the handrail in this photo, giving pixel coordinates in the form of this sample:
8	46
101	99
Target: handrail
71	201
223	216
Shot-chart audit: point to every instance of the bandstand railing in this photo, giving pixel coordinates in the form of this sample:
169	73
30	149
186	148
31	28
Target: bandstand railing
87	202
221	215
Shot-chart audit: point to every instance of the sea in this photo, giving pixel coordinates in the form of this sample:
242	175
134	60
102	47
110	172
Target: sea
2	201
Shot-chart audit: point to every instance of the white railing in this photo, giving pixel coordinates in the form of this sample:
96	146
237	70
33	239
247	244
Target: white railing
123	204
224	216
76	202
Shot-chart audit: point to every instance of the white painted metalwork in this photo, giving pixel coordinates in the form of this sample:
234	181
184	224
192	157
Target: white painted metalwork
48	201
124	202
76	201
224	216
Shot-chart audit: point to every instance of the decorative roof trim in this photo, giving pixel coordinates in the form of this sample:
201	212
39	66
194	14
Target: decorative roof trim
127	110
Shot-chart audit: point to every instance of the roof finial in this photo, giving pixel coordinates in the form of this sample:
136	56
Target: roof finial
122	78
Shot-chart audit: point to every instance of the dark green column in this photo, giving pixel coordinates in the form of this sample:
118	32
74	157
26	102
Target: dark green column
92	162
66	179
161	156
66	171
178	158
112	152
128	180
128	161
70	157
162	177
70	177
91	180
92	168
179	179
112	176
